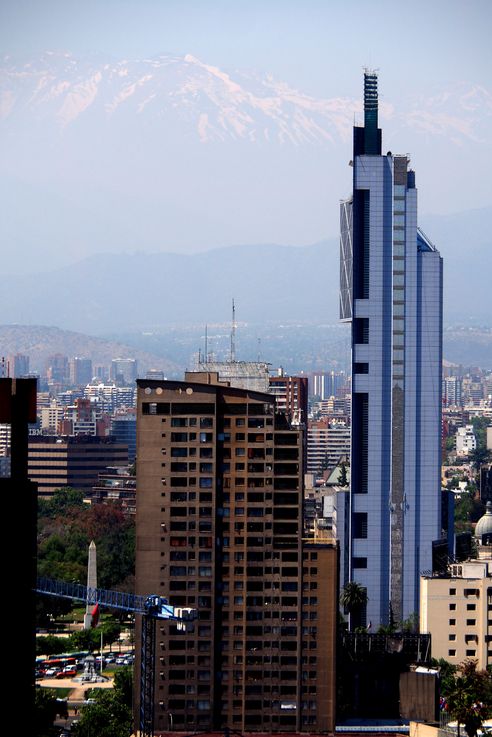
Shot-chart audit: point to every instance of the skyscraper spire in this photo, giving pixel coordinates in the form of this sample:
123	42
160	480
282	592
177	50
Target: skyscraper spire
372	137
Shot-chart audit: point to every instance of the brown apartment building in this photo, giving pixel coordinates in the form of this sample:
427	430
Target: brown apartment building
219	524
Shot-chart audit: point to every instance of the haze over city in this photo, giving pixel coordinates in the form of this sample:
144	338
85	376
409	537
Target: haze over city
183	127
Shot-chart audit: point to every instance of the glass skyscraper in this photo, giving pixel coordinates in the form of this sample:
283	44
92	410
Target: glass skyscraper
391	293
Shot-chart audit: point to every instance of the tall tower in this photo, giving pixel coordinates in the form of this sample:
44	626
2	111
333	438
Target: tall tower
391	293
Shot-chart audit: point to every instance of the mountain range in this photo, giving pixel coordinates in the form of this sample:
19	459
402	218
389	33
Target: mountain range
171	153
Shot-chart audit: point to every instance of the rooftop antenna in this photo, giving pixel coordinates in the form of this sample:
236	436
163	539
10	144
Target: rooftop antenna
259	351
206	343
233	333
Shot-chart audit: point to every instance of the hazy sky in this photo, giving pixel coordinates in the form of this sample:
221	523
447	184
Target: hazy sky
420	43
89	189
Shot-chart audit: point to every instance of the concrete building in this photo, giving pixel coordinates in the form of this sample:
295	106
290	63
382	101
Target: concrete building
466	441
456	611
117	485
51	417
253	375
58	462
291	395
327	442
391	293
219	528
110	397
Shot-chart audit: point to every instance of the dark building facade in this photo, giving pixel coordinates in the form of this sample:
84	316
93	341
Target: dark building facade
57	462
219	529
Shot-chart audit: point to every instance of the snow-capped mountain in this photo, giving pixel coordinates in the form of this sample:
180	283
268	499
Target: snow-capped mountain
172	153
214	104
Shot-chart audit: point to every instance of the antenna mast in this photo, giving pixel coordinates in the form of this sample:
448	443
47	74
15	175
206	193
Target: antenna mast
206	343
233	333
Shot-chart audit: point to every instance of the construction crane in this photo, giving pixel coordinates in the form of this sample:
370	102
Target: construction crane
151	608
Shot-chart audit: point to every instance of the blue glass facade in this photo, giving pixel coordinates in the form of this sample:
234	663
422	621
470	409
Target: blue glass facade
391	292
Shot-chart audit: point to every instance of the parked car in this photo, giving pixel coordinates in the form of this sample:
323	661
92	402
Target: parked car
67	673
52	672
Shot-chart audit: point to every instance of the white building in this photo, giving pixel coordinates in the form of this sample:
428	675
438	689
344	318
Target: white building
466	441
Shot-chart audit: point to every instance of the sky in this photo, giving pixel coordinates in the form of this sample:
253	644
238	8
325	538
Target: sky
85	189
435	40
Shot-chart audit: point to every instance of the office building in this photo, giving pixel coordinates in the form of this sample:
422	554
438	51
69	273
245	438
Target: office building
327	442
219	528
80	371
124	430
18	366
57	370
391	293
57	462
124	371
328	384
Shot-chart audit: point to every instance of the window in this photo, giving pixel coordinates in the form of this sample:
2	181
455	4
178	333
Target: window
452	653
359	562
452	622
452	592
360	525
471	622
452	607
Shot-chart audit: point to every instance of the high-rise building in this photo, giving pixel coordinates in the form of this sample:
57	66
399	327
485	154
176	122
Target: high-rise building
219	528
80	371
57	369
327	443
451	391
291	394
391	293
124	371
18	365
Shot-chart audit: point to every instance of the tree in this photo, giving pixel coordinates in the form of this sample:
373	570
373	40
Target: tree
343	476
470	697
447	672
411	624
354	599
85	640
111	714
111	633
46	707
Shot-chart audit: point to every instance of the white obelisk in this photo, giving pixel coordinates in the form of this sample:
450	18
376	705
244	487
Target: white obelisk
91	583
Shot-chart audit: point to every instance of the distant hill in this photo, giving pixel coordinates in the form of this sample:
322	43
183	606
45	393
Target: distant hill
40	342
124	293
111	293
